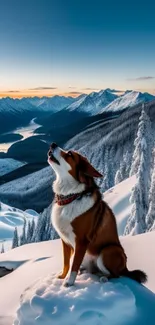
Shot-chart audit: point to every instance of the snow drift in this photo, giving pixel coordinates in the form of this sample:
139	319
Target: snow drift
35	296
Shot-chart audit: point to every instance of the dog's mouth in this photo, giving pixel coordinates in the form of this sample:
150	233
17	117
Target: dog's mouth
52	157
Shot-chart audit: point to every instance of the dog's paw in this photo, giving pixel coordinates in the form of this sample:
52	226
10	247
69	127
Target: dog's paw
68	284
61	276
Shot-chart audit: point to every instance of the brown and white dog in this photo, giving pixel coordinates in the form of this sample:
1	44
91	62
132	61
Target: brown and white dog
84	222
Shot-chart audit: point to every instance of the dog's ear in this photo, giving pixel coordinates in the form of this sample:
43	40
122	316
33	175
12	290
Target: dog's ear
86	170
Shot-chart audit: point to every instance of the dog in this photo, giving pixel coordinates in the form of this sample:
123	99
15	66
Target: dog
84	222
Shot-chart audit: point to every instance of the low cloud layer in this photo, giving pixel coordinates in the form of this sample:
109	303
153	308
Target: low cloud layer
43	88
141	78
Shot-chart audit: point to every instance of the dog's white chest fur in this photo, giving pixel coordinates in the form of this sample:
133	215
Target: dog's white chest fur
62	216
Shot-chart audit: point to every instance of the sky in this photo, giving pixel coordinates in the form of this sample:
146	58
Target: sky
68	47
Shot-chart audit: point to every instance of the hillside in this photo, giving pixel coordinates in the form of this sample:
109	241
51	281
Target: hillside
10	218
112	137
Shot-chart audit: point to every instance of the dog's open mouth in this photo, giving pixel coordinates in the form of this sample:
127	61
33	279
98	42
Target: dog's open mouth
52	158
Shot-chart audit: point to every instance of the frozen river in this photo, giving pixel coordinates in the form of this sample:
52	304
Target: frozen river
26	132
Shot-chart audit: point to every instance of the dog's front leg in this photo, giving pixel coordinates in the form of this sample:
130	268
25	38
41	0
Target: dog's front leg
80	250
67	252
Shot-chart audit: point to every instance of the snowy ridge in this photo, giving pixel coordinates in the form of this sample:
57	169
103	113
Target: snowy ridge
54	103
128	99
93	102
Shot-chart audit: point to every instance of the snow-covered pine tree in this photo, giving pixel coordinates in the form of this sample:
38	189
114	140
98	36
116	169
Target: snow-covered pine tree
128	159
2	249
143	142
121	173
15	241
106	179
30	231
23	235
150	217
112	166
139	197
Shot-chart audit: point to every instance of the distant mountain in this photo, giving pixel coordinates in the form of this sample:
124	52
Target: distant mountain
54	104
19	112
128	99
93	103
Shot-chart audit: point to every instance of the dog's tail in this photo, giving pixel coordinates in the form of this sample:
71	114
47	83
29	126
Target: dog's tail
136	275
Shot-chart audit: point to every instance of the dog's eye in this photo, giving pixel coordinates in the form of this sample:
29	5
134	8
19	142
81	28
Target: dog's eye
69	153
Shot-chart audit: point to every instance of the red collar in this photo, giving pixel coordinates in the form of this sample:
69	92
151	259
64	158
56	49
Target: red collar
66	199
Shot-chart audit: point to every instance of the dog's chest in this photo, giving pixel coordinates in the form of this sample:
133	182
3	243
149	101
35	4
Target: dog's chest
63	216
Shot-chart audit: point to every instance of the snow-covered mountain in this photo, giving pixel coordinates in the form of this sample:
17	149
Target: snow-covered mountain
128	99
55	103
19	112
93	103
10	218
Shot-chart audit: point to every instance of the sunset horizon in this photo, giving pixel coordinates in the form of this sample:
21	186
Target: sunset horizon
27	94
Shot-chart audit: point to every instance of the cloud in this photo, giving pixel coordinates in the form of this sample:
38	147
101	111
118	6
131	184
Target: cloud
141	78
12	91
43	88
88	88
70	87
75	92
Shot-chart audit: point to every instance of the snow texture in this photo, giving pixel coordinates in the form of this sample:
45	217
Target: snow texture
88	303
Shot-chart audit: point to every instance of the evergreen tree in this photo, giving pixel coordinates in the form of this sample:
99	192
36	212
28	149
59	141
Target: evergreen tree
15	241
121	173
150	217
23	236
106	179
32	229
142	142
141	166
2	249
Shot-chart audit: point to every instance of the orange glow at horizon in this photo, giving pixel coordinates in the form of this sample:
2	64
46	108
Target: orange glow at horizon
21	94
50	93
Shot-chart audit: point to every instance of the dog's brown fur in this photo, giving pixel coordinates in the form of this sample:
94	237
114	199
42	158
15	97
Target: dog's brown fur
95	230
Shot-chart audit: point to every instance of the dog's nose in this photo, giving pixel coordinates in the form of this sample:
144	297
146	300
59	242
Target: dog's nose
53	146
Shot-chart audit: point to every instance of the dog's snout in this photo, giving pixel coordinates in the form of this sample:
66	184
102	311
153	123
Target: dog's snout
53	146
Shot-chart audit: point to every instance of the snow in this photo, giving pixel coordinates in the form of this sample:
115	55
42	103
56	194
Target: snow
118	198
40	298
9	219
128	99
7	165
92	103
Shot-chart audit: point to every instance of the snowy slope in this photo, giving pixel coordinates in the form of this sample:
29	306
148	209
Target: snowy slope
8	165
9	219
93	102
45	301
118	199
128	99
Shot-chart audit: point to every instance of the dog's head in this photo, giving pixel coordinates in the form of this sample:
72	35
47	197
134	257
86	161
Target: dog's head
71	163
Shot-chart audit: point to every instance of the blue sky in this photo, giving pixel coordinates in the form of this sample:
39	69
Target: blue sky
62	46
